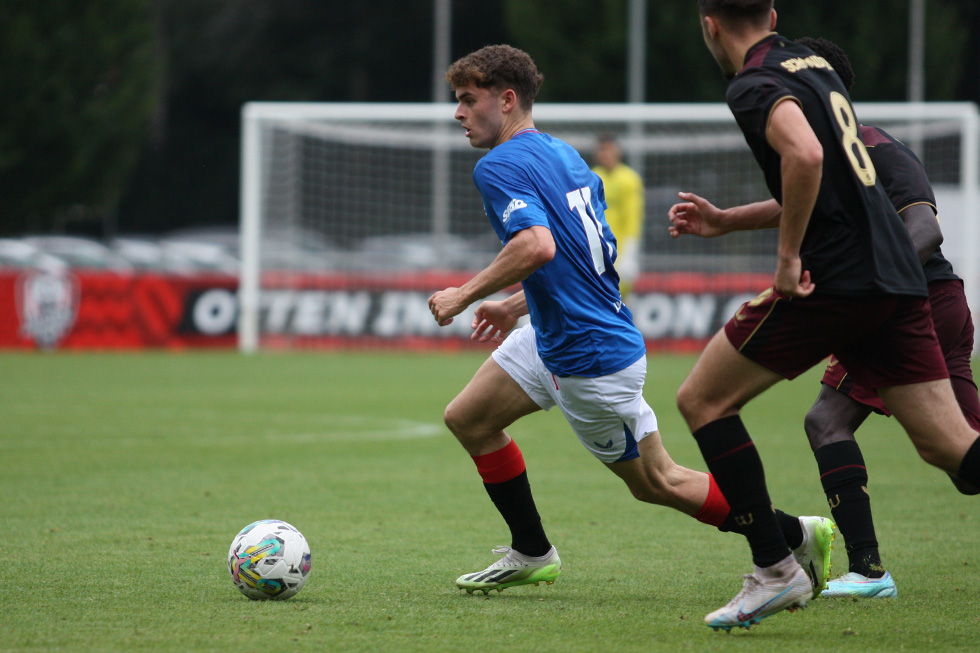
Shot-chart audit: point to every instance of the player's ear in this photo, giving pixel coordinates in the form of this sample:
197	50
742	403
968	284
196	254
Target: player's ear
710	27
508	100
772	21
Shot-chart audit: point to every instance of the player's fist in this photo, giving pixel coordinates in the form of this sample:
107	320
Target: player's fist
791	279
445	305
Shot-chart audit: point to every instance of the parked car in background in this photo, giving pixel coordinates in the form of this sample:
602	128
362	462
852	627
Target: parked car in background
283	249
81	253
196	256
18	254
175	256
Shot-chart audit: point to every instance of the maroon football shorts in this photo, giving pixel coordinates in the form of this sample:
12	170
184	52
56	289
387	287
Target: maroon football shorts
954	329
883	340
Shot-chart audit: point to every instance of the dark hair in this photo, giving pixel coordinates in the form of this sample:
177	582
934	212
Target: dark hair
736	11
836	57
498	67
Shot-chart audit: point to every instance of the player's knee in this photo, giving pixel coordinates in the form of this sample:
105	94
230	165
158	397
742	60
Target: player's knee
694	408
940	451
464	425
454	419
640	494
937	456
653	489
687	402
929	454
648	494
815	425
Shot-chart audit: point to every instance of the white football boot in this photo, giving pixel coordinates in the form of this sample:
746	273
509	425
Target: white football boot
814	553
762	597
514	568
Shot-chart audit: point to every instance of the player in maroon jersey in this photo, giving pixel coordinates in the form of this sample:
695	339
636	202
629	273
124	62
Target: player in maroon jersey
847	282
843	405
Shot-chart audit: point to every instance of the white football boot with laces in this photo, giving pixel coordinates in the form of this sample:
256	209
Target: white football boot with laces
514	568
763	596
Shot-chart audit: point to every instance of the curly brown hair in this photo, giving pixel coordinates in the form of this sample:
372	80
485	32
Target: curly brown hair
498	67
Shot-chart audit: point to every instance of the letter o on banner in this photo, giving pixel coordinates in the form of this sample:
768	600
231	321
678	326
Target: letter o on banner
215	312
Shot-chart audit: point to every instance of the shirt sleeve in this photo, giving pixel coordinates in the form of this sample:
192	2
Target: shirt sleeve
901	173
511	201
752	97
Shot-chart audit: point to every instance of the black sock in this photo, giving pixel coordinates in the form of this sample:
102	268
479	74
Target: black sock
845	482
791	527
970	466
515	503
788	524
734	462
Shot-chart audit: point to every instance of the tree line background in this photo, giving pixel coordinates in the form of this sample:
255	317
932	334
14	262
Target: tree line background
123	116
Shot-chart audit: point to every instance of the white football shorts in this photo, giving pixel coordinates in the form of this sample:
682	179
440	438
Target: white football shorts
608	413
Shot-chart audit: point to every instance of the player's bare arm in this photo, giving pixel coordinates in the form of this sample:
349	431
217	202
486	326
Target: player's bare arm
697	216
526	251
924	228
801	167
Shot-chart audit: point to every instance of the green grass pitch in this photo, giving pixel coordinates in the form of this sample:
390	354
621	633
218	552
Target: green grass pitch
124	478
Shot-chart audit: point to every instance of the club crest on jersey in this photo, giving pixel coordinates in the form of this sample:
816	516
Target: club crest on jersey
515	205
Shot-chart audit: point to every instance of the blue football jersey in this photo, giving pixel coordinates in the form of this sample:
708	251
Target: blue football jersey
581	324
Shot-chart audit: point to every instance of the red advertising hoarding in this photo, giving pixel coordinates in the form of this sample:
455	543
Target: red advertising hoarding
104	310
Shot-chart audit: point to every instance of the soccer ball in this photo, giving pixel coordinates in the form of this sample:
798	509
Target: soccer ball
269	559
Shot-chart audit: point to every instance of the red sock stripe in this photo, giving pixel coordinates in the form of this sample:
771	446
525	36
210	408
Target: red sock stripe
501	465
715	509
844	467
731	451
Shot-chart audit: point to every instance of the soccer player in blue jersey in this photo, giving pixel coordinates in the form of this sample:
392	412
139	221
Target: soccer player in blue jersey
580	352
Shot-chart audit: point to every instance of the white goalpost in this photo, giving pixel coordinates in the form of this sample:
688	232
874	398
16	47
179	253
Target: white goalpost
351	214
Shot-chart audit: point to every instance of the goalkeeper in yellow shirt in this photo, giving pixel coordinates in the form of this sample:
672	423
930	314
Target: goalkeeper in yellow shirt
624	199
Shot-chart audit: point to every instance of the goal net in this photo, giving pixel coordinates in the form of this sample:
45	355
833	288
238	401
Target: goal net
352	214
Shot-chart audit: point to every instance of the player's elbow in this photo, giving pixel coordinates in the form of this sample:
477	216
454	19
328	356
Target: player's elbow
810	155
540	248
928	239
802	166
543	252
923	228
803	155
929	245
